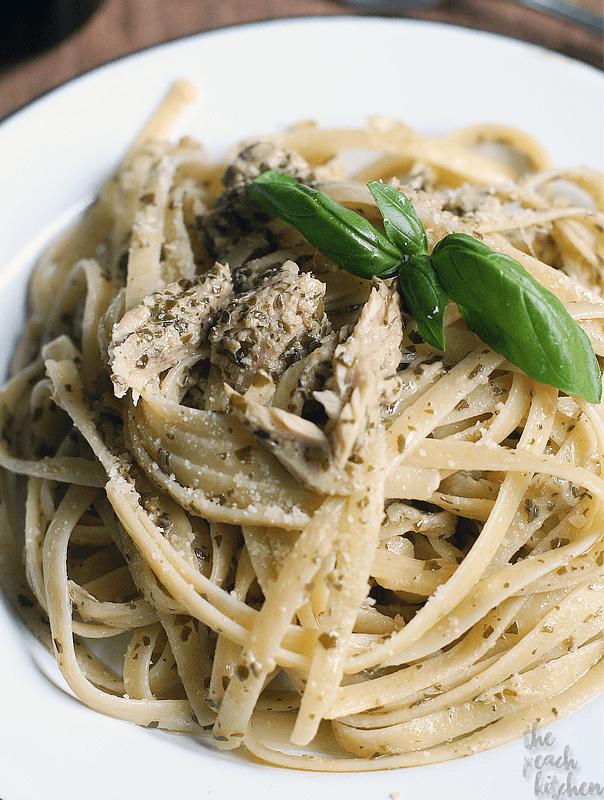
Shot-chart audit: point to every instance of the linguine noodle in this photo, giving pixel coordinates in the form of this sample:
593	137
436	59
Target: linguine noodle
259	507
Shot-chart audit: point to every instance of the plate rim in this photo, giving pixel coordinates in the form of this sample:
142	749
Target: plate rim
370	18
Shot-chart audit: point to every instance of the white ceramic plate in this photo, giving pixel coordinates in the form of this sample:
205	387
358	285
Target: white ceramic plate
260	78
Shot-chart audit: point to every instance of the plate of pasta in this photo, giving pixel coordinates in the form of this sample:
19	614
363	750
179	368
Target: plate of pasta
282	486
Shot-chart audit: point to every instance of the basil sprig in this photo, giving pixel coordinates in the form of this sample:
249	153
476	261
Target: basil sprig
497	298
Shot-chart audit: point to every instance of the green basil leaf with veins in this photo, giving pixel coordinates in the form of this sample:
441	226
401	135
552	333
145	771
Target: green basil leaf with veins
517	316
425	297
401	223
340	234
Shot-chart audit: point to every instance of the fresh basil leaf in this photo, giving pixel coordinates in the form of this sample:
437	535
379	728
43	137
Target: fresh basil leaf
401	223
425	297
517	316
340	234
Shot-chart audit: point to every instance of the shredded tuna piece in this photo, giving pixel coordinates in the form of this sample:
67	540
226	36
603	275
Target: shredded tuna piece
294	391
235	214
269	327
362	366
370	355
300	445
166	327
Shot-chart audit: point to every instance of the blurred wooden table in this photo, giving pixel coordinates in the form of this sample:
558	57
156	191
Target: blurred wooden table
120	27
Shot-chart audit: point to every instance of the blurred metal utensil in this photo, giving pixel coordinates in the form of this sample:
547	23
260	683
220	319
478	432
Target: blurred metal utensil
563	9
392	5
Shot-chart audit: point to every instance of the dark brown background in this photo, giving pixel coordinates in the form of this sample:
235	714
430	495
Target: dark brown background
120	27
